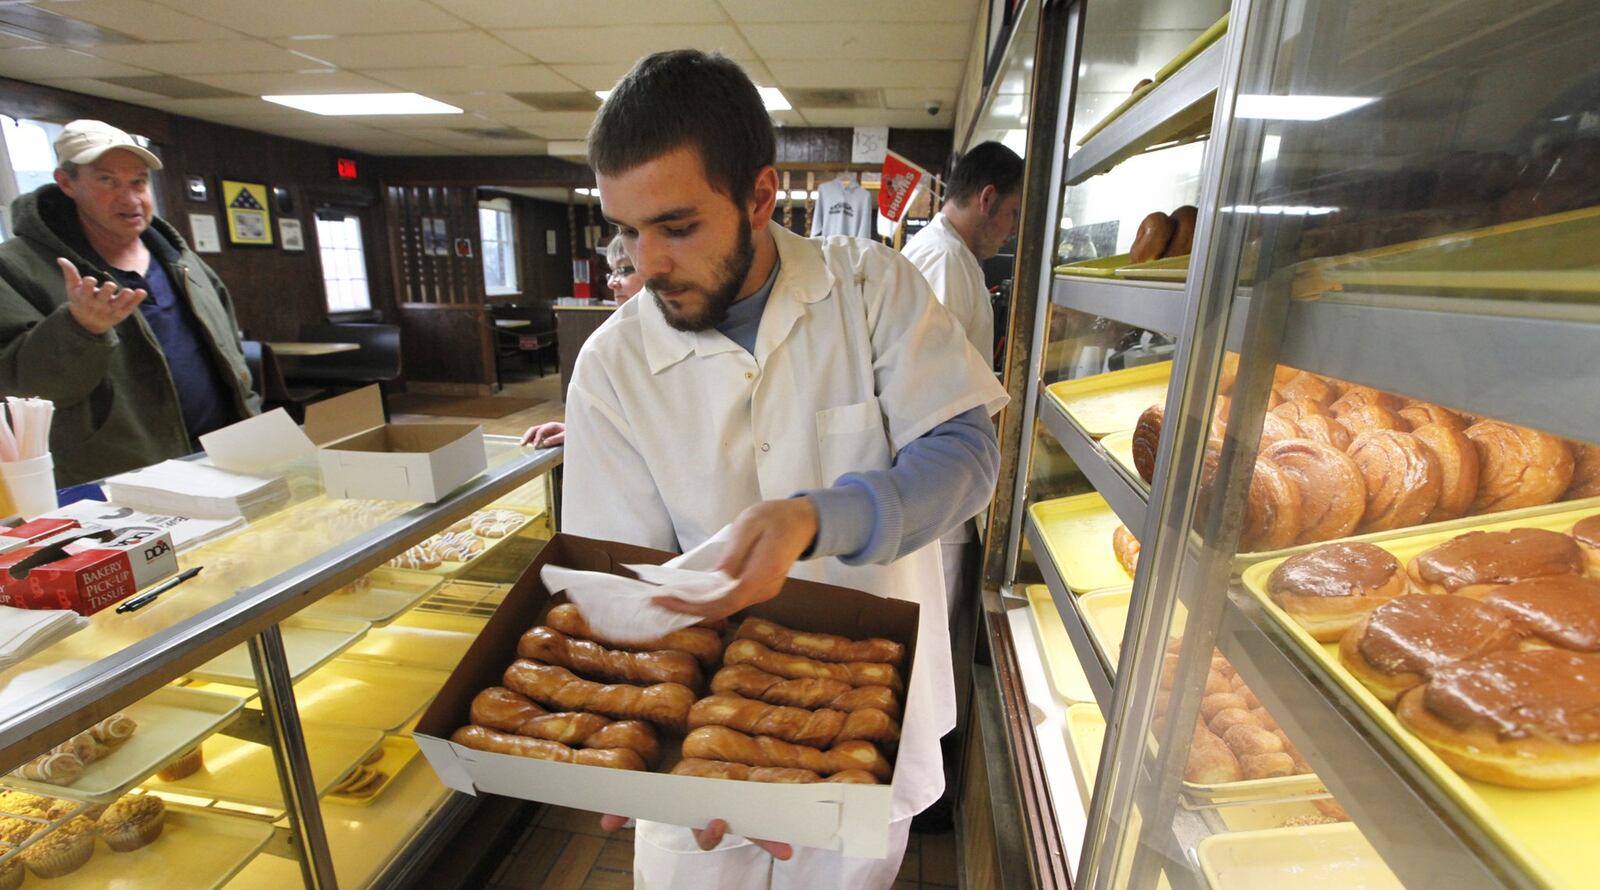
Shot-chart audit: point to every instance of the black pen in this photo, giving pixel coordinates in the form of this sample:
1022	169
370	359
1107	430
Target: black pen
143	600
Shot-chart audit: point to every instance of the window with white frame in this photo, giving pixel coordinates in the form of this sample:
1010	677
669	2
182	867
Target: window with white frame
498	240
344	262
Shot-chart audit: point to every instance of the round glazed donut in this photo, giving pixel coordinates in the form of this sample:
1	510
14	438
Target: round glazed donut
1518	466
1418	414
1402	642
1561	611
1401	476
1333	495
1587	533
1524	719
1362	417
1472	563
1273	508
1328	589
1457	458
1326	430
1305	385
1299	409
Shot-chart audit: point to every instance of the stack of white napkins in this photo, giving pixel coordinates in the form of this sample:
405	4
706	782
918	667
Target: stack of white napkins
190	488
26	631
620	609
186	531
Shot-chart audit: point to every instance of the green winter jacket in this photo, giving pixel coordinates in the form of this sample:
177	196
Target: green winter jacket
116	403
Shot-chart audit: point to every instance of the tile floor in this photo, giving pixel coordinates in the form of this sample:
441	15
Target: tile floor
547	388
566	850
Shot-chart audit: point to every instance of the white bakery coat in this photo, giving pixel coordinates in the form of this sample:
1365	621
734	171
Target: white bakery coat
671	434
956	277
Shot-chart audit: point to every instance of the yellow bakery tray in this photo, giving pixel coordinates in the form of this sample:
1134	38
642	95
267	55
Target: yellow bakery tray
1529	516
196	850
243	772
1120	446
435	640
1106	614
1100	267
1311	857
1119	111
1552	253
1206	38
464	598
397	752
1086	734
171	720
308	644
1107	403
367	694
1060	659
388	594
1546	831
1077	532
1172	268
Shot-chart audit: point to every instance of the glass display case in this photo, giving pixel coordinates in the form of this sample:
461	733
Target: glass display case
267	702
1308	302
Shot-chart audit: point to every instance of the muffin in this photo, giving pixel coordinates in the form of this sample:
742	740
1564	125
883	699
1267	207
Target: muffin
11	875
187	764
131	822
63	851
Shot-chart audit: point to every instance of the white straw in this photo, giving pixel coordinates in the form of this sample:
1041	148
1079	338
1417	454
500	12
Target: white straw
8	441
30	426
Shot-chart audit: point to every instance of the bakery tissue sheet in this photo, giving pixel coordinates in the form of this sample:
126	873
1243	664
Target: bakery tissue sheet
620	609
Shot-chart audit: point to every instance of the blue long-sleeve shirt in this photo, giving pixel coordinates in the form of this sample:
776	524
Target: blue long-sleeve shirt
935	482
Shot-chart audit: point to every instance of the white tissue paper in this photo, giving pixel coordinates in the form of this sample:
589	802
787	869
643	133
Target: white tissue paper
25	631
620	609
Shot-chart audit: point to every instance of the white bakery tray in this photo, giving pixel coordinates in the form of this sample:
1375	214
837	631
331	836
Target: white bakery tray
244	772
309	643
171	720
368	694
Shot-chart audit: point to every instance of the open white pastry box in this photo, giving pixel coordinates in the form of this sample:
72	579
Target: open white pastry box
851	818
363	457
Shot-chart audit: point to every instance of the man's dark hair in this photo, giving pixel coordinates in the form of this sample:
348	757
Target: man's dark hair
686	97
988	163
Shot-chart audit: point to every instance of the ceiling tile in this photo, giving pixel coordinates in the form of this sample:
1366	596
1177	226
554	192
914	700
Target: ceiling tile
540	13
855	11
531	147
604	75
386	144
283	18
330	80
623	42
916	97
598	76
827	43
244	108
859	117
857	74
484	101
207	57
40	62
503	79
92	87
411	122
143	19
437	49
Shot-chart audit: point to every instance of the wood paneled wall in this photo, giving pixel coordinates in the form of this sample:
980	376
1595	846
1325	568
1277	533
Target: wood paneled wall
275	292
446	331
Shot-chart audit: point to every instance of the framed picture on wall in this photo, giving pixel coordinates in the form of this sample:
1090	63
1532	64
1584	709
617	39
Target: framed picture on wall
249	221
283	199
293	238
203	233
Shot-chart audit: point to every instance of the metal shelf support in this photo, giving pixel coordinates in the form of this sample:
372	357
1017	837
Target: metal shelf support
1174	106
1152	306
1126	498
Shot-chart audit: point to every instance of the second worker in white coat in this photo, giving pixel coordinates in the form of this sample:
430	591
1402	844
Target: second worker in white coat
802	390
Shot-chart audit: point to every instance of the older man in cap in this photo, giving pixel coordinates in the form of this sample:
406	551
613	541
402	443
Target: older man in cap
106	311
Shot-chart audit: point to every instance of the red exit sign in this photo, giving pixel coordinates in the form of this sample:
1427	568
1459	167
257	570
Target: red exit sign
345	168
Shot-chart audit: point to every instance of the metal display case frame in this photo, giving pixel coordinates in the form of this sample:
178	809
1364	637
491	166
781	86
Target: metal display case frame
1424	835
252	617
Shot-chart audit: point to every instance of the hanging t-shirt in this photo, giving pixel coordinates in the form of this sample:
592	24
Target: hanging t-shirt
844	208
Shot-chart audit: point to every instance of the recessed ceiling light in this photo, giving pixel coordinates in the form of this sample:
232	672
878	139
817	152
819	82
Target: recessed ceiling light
1297	108
349	104
771	97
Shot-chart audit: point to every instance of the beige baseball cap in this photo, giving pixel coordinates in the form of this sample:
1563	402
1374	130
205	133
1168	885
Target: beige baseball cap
81	142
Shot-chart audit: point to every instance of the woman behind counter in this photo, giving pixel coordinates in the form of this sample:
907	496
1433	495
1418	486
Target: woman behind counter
624	281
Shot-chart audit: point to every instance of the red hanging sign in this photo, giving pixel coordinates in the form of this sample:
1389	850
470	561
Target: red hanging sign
900	181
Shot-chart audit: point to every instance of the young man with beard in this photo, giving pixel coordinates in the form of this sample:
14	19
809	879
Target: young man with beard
802	391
